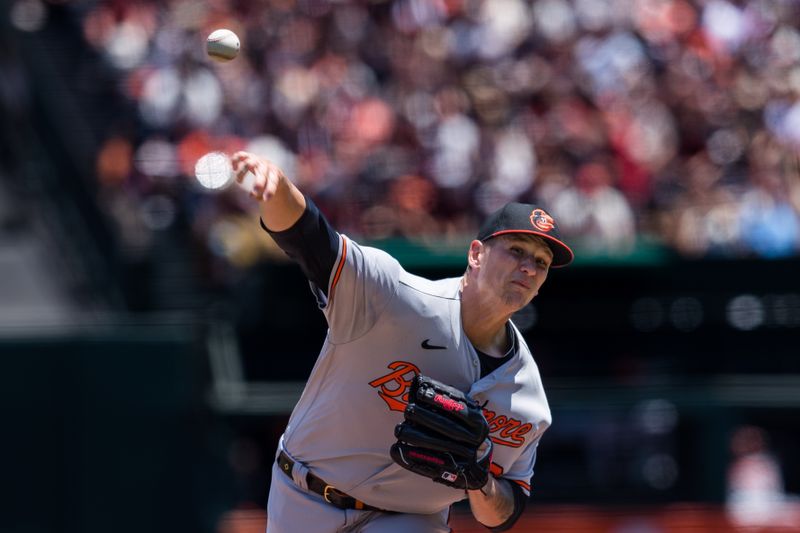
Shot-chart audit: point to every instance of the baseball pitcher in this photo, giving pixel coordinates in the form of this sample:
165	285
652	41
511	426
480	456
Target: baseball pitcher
424	392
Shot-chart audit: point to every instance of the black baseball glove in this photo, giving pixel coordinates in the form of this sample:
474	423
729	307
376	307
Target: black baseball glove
444	436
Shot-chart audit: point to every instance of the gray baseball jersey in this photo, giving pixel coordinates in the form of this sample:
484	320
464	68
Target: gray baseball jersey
385	325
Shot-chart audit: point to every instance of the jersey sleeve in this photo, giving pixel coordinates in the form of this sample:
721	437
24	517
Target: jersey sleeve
352	283
521	472
362	283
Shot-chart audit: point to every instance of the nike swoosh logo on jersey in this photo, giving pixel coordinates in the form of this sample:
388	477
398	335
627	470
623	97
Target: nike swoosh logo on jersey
428	346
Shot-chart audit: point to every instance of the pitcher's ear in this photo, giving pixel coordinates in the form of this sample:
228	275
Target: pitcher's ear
475	253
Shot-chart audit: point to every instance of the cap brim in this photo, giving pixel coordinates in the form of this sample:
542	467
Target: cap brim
562	254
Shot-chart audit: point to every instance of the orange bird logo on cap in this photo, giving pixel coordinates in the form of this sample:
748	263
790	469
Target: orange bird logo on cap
541	220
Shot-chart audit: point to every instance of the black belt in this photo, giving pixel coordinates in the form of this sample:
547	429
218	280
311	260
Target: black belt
330	493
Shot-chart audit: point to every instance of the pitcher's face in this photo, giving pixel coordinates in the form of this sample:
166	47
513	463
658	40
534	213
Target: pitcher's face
514	267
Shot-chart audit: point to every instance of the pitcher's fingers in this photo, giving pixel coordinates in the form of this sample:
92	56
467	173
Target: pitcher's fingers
259	183
239	156
272	183
240	164
262	170
245	158
257	190
250	163
241	171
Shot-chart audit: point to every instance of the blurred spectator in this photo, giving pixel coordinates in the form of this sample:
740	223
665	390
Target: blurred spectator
595	212
756	496
704	217
770	226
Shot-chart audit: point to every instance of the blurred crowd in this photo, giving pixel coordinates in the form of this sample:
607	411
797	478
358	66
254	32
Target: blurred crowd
633	121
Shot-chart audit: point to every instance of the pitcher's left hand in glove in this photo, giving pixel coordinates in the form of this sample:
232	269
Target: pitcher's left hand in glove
444	436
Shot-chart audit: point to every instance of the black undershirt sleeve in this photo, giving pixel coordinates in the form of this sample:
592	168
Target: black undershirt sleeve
312	243
520	500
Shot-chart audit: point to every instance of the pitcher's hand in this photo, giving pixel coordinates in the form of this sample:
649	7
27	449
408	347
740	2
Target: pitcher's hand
267	175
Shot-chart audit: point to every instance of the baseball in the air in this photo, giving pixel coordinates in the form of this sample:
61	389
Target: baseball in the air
222	45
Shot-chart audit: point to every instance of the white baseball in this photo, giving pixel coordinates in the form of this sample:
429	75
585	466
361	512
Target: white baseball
215	173
222	45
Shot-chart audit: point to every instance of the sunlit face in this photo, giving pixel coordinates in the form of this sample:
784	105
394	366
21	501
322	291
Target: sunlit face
512	268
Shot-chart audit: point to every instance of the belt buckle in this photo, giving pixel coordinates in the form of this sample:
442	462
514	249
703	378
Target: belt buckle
325	493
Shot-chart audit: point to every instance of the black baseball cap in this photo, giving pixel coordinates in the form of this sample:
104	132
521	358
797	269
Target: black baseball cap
527	218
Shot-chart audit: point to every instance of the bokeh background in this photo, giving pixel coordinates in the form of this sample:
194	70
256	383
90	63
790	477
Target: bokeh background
153	339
